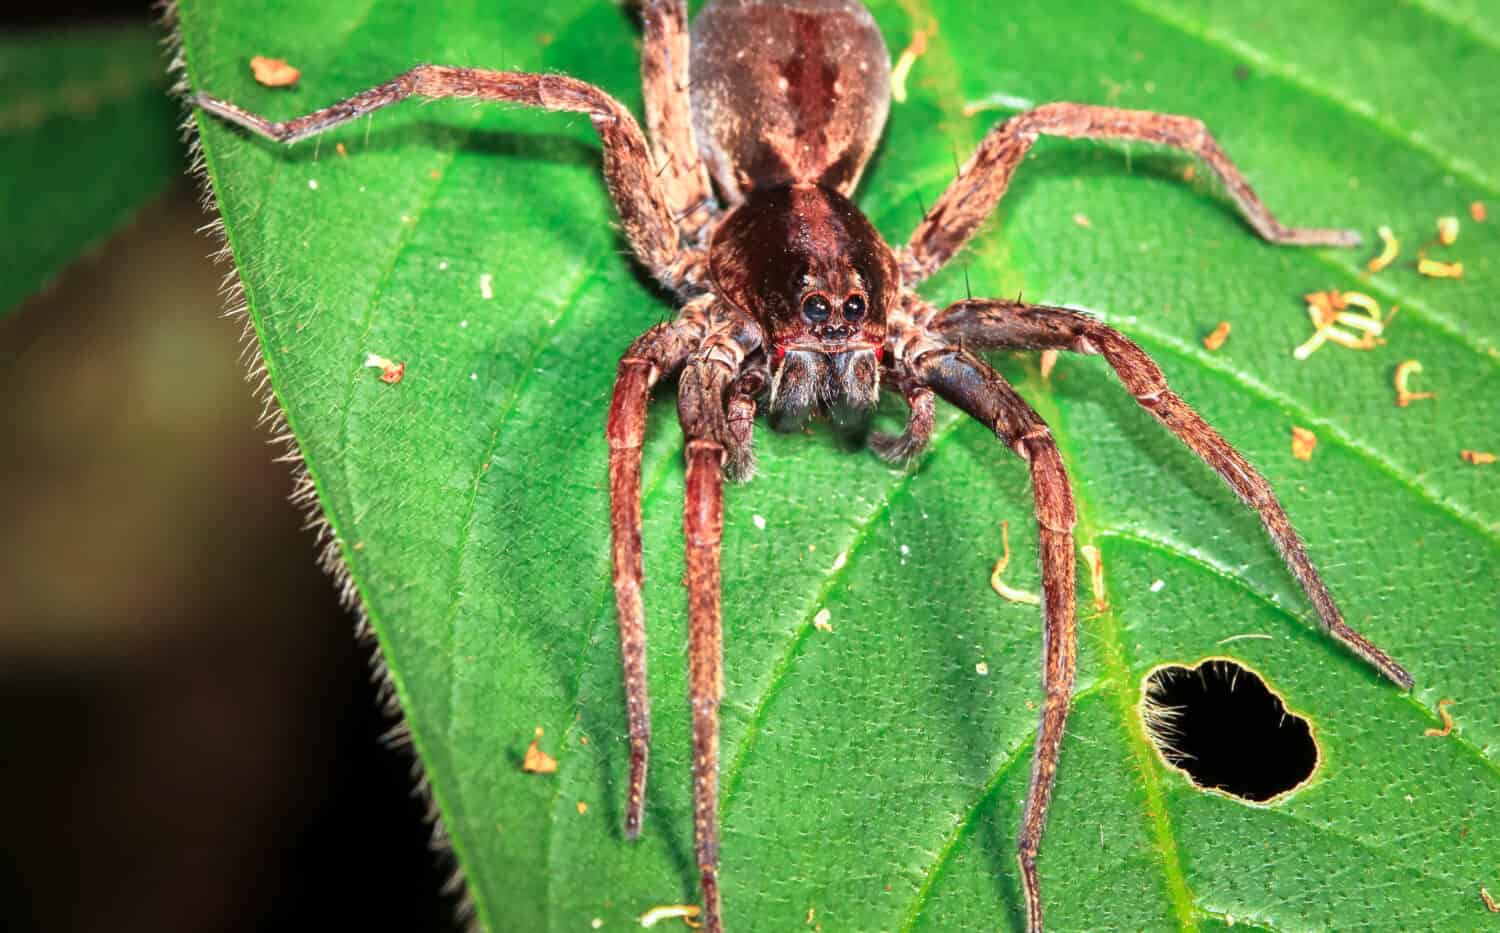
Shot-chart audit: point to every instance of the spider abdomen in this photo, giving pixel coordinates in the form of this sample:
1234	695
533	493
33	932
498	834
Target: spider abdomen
787	91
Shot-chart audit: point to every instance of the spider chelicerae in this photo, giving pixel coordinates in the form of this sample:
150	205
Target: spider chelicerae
762	117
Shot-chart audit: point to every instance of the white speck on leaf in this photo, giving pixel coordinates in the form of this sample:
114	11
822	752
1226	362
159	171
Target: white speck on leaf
1158	585
760	521
841	560
982	669
487	286
821	621
312	184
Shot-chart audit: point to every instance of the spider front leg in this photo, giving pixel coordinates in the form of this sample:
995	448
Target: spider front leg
1013	325
658	352
645	213
969	383
701	406
983	180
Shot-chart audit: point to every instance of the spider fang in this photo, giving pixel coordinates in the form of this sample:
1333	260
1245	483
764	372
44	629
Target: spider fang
1000	586
1442	711
1095	561
1477	457
1216	339
1405	396
667	911
273	72
1303	442
1329	308
390	371
536	760
1391	247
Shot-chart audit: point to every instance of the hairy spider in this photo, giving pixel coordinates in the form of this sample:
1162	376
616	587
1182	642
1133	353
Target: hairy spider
761	120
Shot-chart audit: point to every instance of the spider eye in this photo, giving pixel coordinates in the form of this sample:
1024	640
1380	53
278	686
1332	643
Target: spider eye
854	308
816	308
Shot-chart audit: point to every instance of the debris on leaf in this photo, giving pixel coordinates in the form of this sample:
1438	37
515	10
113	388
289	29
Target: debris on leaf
1477	457
982	669
821	621
667	911
1476	211
582	808
1391	248
1049	362
1095	560
1216	339
1158	585
1440	270
339	148
1404	396
487	286
1000	586
1442	711
1303	442
1447	228
1330	308
1082	220
908	58
390	371
1490	903
273	72
536	760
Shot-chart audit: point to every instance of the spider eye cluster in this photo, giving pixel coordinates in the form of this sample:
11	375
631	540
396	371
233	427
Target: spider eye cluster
816	308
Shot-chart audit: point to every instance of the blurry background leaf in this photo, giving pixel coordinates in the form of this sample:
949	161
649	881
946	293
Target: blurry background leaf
872	774
87	136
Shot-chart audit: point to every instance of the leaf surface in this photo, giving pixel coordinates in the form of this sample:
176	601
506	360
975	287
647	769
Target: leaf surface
871	774
86	138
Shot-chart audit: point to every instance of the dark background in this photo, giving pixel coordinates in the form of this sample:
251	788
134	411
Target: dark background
189	738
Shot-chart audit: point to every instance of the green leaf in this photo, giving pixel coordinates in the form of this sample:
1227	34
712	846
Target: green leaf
871	774
86	138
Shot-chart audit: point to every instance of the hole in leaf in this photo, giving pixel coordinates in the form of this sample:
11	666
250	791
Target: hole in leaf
1221	725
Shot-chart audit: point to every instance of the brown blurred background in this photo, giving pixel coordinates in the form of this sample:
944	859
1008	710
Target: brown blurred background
189	739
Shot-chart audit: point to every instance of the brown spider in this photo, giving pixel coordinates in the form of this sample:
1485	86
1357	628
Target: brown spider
762	119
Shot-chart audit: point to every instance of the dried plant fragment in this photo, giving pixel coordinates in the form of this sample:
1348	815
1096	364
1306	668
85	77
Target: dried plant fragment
1391	247
667	911
339	148
1476	211
822	622
1095	560
1216	339
536	760
1082	220
1447	228
1404	395
391	372
1049	362
1303	442
582	808
1477	457
1440	270
1000	586
273	72
1329	309
1490	903
1442	711
908	58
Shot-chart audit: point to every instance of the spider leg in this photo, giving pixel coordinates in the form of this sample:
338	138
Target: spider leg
645	213
982	182
973	386
669	114
659	351
705	381
902	448
1012	325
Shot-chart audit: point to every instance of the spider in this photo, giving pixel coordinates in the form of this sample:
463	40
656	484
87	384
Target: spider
762	118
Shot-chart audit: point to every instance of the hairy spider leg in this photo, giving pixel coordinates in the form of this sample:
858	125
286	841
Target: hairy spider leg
660	351
1011	325
966	381
665	82
705	380
645	213
982	182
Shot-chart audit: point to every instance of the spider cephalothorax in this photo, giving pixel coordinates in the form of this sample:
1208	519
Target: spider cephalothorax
805	264
797	303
